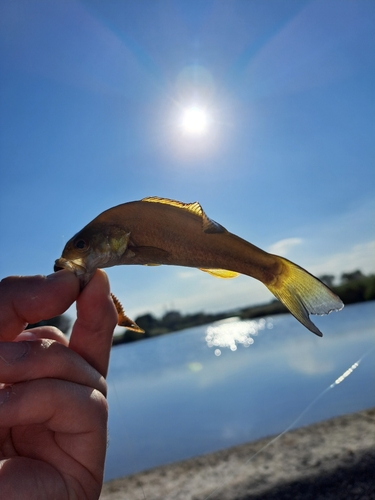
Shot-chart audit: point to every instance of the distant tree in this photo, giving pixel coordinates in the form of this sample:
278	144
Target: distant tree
147	322
328	279
370	288
356	287
171	319
355	275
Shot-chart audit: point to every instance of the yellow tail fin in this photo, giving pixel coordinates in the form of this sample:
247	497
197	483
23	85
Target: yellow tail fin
303	294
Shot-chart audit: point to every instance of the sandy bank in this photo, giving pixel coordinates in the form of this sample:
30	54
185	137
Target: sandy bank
330	460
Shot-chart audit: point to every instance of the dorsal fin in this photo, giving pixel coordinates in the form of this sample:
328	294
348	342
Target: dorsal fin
208	225
220	273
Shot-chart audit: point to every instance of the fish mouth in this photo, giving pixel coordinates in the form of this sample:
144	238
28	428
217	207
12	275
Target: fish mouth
75	266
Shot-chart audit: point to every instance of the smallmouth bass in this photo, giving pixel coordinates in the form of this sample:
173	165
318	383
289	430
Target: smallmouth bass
156	231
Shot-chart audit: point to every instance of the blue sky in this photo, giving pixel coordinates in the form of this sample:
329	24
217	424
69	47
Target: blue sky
92	98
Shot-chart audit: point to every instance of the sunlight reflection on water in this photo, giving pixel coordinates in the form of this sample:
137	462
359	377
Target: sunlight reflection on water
174	396
232	331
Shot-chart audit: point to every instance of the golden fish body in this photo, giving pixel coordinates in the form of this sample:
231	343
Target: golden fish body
157	231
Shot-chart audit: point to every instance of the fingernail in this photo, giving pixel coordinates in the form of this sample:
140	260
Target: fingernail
10	352
63	274
26	335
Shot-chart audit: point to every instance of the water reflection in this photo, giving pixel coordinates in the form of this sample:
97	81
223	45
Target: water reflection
233	331
176	396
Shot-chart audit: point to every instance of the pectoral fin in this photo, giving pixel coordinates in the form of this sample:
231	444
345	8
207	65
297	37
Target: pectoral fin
147	256
220	273
119	244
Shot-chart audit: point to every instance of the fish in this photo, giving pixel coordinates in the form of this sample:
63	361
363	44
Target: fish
159	231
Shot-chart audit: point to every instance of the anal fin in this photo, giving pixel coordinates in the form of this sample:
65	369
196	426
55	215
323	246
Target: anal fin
220	273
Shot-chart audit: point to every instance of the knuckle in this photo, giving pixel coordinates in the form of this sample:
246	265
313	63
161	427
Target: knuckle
100	403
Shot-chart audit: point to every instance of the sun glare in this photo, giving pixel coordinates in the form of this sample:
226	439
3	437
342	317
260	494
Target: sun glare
194	121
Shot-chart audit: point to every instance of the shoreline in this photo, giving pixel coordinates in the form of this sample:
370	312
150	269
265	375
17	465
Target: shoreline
174	321
329	460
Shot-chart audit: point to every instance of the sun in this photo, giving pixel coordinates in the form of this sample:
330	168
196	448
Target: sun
194	121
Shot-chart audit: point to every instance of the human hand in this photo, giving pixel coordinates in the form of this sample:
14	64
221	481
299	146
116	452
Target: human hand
53	411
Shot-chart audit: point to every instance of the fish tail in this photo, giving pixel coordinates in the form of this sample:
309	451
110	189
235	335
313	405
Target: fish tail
303	294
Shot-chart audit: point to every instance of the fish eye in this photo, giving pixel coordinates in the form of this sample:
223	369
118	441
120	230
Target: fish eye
80	244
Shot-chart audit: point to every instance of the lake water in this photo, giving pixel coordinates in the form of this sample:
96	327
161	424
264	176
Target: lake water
219	385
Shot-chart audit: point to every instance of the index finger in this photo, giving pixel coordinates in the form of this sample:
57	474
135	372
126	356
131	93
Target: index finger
96	319
29	299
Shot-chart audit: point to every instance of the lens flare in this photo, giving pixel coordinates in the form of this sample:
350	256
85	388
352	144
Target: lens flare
194	121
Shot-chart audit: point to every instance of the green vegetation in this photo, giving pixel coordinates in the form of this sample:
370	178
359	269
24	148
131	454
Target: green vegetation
356	287
353	287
